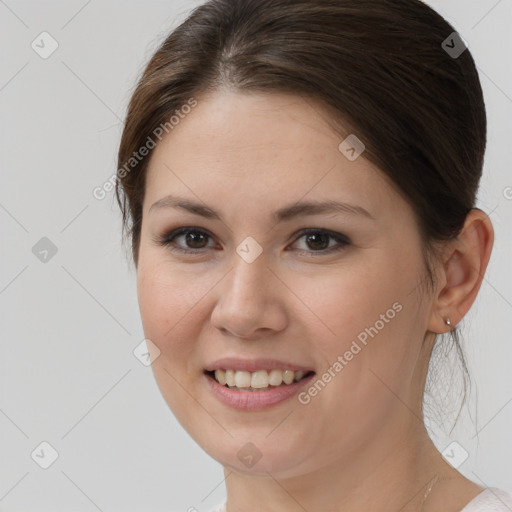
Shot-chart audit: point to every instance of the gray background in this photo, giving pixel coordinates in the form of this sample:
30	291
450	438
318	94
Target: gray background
70	323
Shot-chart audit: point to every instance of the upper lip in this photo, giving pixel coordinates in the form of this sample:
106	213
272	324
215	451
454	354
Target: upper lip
253	365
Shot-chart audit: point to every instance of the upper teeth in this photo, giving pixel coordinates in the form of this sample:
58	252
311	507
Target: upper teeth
259	379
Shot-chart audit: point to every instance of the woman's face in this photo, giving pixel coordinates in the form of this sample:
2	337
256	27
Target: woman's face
252	172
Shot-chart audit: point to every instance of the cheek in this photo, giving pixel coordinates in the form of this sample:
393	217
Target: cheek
157	306
351	301
167	311
369	360
165	294
167	303
371	320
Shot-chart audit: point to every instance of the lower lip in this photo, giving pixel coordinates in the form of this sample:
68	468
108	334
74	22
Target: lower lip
255	400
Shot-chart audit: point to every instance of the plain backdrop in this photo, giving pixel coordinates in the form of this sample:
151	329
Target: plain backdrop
69	314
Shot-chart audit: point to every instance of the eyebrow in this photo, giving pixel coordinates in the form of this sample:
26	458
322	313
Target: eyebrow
287	213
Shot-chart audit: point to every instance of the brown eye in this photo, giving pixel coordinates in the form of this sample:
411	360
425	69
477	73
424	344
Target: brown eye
320	241
196	239
317	241
187	240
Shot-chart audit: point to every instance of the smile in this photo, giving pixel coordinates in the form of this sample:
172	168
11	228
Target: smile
257	390
241	380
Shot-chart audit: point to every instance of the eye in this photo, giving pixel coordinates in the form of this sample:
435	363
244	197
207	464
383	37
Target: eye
193	240
186	239
321	241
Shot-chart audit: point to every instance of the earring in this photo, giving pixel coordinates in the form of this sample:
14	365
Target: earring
448	322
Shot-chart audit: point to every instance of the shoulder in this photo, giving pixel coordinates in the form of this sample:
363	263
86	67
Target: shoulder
490	500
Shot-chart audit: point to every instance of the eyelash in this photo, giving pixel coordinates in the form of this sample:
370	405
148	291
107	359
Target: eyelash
167	240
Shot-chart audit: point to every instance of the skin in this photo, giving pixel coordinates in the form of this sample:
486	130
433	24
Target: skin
360	444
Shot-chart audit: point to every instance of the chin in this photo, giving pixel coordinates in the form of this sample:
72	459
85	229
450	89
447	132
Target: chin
255	457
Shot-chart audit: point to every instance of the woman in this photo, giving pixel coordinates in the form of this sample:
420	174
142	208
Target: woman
298	181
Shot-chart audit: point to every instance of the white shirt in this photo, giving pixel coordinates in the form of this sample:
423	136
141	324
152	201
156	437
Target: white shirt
489	500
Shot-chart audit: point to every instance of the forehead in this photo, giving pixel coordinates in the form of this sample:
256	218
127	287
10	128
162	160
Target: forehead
237	149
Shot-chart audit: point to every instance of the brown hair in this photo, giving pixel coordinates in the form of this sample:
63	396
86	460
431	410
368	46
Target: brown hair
379	66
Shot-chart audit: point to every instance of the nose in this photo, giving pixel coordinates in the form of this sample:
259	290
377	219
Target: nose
250	301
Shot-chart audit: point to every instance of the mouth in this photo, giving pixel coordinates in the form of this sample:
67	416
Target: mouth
255	384
259	380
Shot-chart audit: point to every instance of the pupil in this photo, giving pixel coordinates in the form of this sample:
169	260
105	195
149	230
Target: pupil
318	241
194	240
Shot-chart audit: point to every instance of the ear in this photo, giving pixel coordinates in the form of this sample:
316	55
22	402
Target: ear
464	264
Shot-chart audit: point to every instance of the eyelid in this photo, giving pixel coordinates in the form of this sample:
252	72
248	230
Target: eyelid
341	239
167	239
